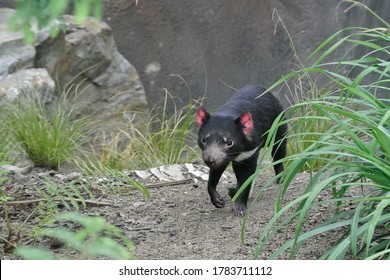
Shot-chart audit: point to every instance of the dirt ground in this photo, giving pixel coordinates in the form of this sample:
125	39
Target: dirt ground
178	222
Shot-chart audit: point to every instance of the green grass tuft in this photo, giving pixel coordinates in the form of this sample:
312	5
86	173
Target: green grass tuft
48	137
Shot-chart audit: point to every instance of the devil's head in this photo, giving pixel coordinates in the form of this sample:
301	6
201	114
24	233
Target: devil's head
222	137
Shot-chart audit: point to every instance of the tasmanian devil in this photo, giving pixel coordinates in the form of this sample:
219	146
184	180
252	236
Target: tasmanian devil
236	133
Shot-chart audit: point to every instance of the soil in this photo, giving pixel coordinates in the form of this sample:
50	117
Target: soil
177	222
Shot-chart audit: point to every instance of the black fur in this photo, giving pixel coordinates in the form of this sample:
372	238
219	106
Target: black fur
236	133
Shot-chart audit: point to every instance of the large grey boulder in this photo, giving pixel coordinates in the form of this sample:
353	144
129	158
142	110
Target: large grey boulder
108	86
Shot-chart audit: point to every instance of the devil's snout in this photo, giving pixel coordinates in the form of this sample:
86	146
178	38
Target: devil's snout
209	161
214	157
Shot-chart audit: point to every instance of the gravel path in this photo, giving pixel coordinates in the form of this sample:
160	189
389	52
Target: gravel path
177	222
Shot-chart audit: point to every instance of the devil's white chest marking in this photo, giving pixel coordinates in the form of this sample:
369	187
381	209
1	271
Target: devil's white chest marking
246	155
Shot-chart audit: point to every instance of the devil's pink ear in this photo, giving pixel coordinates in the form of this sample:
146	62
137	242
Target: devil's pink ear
246	122
201	117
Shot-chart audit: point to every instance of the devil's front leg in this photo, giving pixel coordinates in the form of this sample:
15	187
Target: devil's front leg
243	171
214	176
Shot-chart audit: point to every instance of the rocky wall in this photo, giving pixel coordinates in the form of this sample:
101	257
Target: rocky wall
214	44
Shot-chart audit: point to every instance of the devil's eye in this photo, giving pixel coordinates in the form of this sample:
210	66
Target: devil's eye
203	140
227	141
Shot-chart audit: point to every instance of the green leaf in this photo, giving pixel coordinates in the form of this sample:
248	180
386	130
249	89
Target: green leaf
108	247
58	8
354	227
70	238
377	214
382	135
97	6
325	43
328	51
31	253
5	198
81	11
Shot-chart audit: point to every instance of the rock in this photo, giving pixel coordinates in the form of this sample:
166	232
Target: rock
175	172
14	54
68	177
86	56
227	226
27	81
179	172
15	169
160	175
85	50
138	204
15	60
199	173
195	183
143	174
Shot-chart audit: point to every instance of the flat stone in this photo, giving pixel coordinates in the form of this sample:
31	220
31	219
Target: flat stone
197	172
159	175
143	174
175	172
